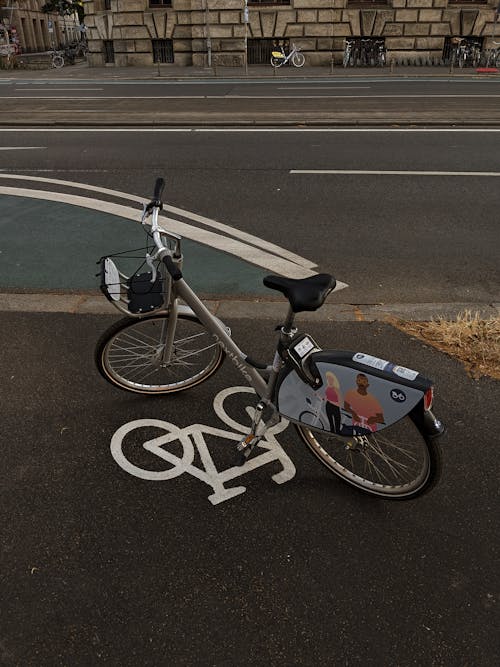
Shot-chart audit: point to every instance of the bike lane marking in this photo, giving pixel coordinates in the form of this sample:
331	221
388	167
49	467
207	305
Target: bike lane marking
192	439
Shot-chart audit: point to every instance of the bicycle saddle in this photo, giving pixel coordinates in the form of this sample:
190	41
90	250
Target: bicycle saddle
303	294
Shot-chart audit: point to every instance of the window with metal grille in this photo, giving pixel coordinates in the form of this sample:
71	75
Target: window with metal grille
109	51
163	50
259	50
367	3
268	2
107	4
160	3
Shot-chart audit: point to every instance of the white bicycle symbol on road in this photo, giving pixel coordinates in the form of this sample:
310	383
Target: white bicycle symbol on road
191	438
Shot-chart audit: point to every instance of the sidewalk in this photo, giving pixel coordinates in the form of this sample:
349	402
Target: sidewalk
82	71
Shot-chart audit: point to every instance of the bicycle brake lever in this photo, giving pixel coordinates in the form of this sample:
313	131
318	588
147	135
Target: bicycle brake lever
149	262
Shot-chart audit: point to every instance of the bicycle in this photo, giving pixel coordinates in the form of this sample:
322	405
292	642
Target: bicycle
57	59
348	58
163	346
279	58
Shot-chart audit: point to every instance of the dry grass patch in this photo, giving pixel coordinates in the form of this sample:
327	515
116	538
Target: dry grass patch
475	341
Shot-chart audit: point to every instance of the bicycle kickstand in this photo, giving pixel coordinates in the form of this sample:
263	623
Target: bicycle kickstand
259	427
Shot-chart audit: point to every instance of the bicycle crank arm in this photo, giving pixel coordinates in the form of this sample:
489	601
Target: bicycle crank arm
245	447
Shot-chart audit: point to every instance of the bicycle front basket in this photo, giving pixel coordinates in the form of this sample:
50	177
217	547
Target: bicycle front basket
139	293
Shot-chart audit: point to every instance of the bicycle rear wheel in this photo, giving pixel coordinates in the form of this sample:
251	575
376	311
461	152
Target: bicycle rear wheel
398	462
129	355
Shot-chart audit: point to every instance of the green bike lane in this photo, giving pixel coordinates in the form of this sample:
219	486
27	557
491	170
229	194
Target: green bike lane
54	246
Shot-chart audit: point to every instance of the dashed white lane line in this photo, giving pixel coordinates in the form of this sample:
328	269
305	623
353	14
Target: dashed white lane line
22	148
378	172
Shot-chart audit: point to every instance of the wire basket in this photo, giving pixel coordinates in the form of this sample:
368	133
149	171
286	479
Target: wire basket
135	291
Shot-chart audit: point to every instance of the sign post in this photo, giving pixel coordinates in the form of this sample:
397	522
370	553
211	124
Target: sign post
245	21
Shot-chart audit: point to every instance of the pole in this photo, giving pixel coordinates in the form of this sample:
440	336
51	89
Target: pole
207	35
245	19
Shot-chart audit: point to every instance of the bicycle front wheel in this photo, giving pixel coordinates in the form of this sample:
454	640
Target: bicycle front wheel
58	62
298	59
130	355
276	62
397	462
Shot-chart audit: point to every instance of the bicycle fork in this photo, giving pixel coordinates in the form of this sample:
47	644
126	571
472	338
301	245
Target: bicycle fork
257	431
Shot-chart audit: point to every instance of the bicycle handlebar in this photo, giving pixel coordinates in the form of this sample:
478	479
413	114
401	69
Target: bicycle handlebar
159	187
165	254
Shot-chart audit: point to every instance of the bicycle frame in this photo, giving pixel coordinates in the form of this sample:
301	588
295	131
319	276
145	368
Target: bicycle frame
181	290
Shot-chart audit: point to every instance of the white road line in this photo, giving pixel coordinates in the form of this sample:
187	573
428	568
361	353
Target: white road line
378	172
246	97
22	148
333	86
66	90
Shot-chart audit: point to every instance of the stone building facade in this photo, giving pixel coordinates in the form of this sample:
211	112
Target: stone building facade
26	27
214	32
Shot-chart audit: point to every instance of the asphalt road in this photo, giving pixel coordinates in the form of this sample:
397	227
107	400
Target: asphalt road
99	566
401	216
321	101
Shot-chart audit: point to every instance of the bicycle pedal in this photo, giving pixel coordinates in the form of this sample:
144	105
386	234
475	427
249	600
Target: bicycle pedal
244	448
247	443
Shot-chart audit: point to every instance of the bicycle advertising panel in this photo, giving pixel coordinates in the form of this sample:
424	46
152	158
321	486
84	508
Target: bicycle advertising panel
358	394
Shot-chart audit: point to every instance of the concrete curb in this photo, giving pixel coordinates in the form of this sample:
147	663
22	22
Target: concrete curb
253	309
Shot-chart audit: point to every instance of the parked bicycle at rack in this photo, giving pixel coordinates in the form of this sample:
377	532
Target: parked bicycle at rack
465	52
378	433
280	58
364	52
490	58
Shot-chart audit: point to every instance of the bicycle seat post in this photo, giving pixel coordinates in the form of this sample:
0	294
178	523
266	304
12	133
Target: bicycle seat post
288	330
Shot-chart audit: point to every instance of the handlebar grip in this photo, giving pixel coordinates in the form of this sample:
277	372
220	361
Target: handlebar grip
159	187
172	268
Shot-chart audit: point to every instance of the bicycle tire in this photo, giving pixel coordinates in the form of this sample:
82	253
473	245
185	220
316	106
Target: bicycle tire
298	59
309	417
128	355
57	62
398	463
276	62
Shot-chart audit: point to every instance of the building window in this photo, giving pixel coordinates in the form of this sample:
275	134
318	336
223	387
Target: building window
259	50
163	50
160	3
367	3
268	2
109	51
107	4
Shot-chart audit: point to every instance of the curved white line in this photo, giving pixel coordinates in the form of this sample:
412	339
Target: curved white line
232	246
226	229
